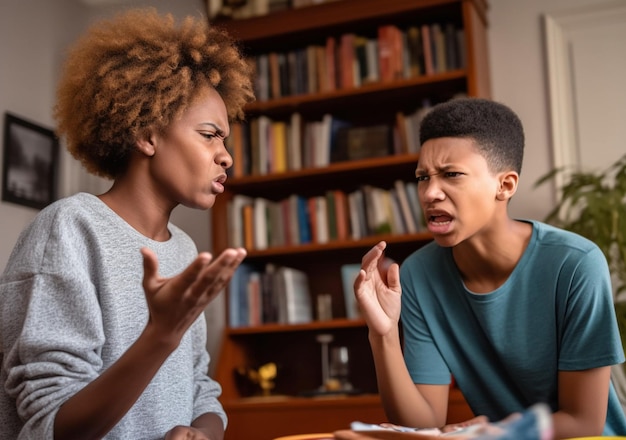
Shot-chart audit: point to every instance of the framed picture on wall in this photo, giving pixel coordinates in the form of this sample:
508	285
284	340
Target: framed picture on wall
30	163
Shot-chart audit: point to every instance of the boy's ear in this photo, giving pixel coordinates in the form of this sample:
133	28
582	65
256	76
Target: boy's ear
146	144
508	185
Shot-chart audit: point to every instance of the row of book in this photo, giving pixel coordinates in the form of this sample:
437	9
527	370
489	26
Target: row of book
259	223
281	294
264	146
352	60
276	294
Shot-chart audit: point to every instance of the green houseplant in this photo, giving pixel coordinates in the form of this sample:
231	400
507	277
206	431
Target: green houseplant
593	204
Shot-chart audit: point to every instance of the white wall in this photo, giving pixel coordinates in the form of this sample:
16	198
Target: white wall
519	79
33	37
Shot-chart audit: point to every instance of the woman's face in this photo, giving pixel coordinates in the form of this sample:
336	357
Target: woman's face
190	160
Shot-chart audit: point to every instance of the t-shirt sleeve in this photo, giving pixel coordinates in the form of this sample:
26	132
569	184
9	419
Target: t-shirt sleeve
590	336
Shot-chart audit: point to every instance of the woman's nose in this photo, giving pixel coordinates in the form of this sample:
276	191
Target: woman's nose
224	159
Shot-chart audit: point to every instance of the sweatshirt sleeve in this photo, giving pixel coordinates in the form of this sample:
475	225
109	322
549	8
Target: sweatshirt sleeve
207	390
50	324
55	354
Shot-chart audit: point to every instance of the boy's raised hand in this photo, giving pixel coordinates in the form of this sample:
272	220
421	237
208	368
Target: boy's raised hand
175	303
377	289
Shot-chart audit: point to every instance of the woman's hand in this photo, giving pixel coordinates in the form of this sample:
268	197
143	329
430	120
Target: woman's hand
185	433
377	290
175	303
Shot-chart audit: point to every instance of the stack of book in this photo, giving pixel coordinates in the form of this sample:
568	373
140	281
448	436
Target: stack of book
351	60
259	223
266	146
269	295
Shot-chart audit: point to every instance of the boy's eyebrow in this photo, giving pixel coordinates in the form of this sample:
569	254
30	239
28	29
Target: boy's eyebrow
422	172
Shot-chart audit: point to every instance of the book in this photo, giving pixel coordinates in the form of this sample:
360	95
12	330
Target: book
304	223
336	125
363	142
262	78
395	212
260	222
283	71
294	300
253	291
294	145
293	219
415	51
279	146
347	60
377	210
264	124
331	68
237	295
321	213
360	60
349	273
385	55
274	79
269	305
439	42
405	207
414	204
429	65
235	219
358	228
276	229
342	214
371	54
311	71
292	68
322	74
248	226
331	218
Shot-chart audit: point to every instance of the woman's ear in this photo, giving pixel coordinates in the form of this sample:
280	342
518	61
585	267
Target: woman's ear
508	185
146	144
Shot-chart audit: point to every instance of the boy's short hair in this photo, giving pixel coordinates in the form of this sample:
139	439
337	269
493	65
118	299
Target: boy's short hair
495	128
137	73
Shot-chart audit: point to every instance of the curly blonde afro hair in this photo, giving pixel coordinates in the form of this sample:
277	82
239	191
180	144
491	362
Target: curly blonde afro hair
137	72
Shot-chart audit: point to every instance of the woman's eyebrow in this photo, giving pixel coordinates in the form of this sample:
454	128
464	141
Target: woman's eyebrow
218	130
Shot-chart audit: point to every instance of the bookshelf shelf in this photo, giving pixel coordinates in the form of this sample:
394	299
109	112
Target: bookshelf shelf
294	348
339	245
422	84
331	324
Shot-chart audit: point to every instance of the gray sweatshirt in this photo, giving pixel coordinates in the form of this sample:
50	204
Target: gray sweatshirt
71	303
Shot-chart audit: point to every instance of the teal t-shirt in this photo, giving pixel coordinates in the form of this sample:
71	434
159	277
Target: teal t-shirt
505	348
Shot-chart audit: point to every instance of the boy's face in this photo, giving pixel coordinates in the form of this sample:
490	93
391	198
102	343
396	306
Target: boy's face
458	193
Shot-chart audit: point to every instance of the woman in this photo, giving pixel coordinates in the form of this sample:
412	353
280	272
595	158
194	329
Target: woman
102	324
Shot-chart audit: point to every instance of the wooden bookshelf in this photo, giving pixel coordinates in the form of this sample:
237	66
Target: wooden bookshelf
294	348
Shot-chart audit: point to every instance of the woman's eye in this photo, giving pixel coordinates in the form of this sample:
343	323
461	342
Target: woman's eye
209	135
422	178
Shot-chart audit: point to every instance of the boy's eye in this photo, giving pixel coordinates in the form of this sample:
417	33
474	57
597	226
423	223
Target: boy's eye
453	174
